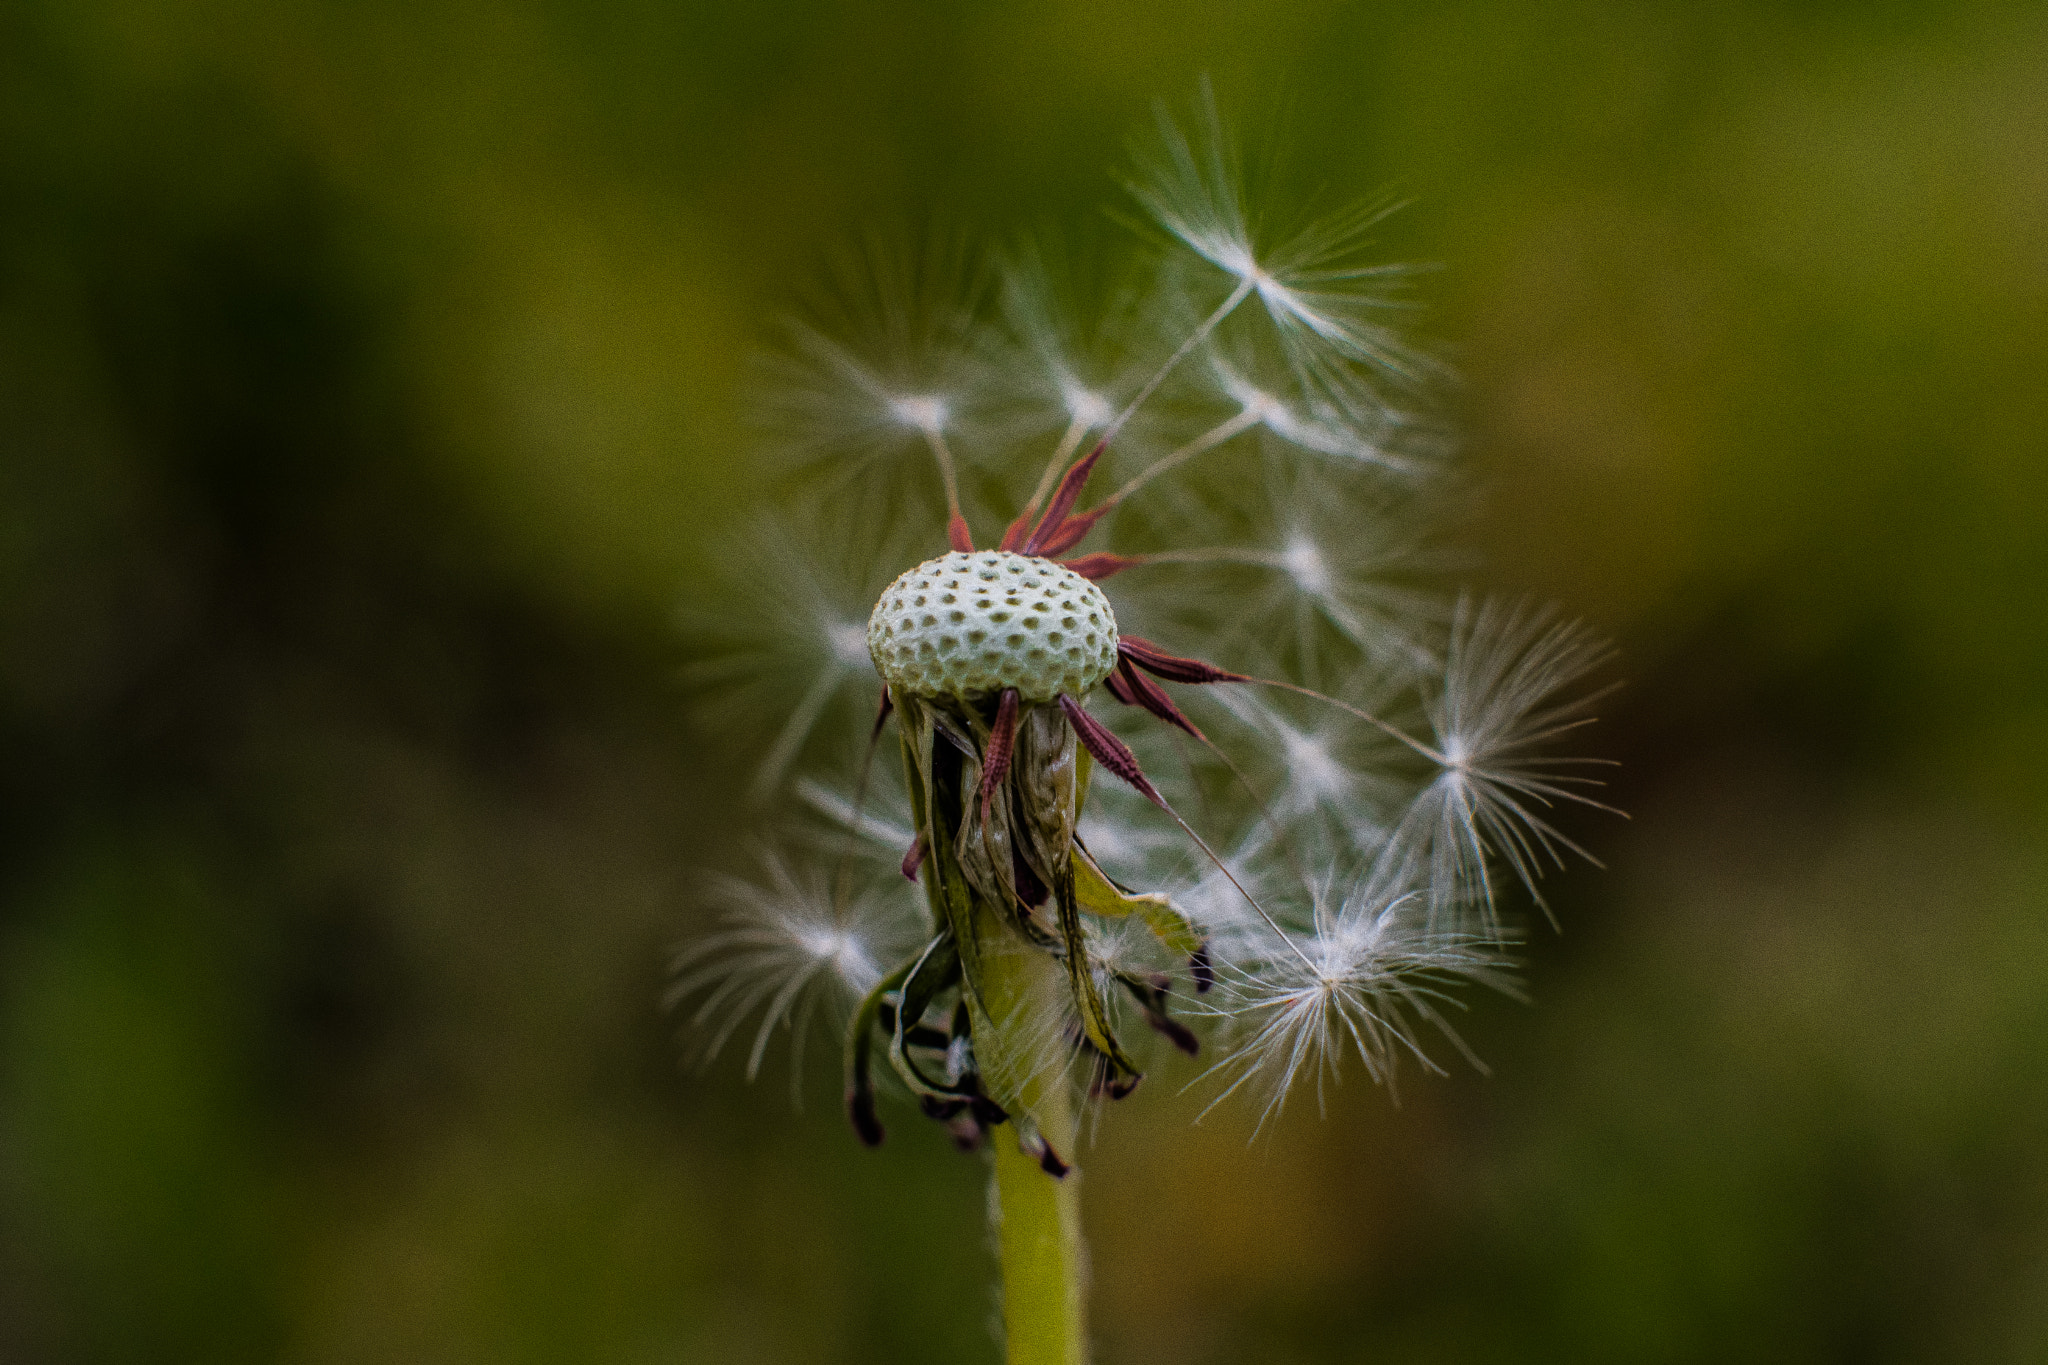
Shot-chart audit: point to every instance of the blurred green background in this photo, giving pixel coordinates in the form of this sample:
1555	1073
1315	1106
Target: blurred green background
372	390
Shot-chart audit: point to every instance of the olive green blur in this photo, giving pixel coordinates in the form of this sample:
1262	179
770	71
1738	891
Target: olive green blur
373	392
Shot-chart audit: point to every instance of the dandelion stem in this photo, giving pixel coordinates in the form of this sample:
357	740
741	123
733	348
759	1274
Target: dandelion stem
1005	983
1038	1216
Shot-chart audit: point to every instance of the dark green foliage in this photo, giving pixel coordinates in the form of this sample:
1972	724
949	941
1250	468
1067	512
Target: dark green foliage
371	381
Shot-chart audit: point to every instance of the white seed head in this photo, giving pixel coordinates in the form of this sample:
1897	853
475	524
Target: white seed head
970	624
1341	889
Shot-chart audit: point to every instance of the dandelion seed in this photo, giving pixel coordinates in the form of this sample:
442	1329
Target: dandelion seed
1503	698
1071	344
890	368
1325	302
783	951
1348	427
920	412
878	818
785	633
1323	573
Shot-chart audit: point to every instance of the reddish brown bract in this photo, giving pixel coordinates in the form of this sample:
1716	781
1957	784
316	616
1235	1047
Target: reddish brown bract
1111	752
1002	743
1068	533
957	534
913	861
1173	667
1100	565
1150	695
1053	526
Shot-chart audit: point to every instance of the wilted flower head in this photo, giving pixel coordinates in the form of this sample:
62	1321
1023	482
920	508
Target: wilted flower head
1326	762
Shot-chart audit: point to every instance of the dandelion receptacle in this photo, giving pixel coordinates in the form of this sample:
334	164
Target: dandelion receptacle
1122	715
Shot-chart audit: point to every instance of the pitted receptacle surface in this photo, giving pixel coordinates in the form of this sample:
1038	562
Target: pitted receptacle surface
971	623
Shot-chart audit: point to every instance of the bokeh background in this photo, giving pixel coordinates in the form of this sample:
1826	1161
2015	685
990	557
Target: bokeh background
372	393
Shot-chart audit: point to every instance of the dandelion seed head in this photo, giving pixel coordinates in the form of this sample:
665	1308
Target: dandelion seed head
975	623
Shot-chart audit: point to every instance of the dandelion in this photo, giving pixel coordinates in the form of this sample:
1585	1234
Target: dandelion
1320	766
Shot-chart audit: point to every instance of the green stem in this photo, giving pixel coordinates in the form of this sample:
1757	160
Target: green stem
1038	1216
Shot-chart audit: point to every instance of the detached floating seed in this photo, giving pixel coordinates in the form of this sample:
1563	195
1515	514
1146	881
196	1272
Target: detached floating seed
971	624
